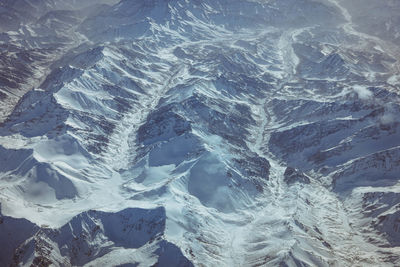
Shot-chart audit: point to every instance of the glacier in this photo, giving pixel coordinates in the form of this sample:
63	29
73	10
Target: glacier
199	133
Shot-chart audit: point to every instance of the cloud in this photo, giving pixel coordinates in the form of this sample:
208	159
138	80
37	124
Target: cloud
391	108
362	92
388	118
390	114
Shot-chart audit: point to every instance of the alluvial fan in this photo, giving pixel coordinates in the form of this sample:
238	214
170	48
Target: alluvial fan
200	133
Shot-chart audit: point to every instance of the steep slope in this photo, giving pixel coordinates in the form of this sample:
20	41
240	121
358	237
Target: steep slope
34	35
180	133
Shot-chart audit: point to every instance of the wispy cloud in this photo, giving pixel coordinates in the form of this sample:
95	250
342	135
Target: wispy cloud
363	92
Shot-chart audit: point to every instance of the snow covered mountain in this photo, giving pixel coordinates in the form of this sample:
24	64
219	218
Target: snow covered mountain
199	133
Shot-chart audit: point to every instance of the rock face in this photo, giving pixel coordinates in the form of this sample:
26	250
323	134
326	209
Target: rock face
292	175
199	133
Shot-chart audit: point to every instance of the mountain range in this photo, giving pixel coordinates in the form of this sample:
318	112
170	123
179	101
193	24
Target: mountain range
199	133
